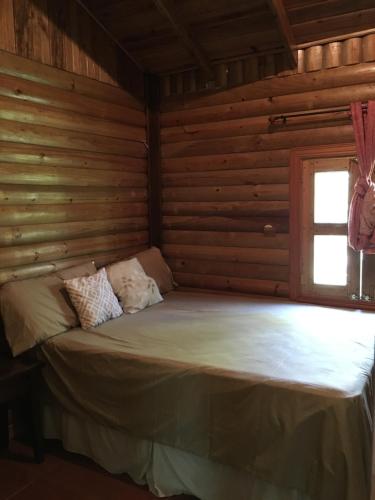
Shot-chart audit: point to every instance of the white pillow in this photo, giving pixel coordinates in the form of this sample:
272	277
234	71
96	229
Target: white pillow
132	286
93	299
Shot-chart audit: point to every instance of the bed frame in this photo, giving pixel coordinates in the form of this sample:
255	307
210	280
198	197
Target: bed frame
5	351
4	347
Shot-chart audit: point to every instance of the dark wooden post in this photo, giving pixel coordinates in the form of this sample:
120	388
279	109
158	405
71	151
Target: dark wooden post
152	88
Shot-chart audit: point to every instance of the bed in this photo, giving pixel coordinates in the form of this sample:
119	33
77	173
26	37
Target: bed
222	397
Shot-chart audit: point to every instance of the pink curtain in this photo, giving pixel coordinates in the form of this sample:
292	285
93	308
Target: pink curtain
361	224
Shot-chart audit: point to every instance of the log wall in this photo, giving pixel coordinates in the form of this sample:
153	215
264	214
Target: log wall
73	170
63	35
225	173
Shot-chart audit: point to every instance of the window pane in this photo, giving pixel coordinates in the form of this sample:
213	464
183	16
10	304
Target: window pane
331	197
330	260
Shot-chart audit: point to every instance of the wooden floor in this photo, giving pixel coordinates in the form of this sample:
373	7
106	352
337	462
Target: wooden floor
63	476
66	476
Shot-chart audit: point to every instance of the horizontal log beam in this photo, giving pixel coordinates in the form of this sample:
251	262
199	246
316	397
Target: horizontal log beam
28	91
226	239
39	114
25	194
27	69
42	268
44	252
273	87
13	173
274	256
229	269
13	131
232	223
278	140
49	214
252	286
271	192
251	126
232	161
243	209
251	177
302	101
11	152
41	233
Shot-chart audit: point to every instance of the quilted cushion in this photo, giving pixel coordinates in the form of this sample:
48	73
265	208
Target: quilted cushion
93	299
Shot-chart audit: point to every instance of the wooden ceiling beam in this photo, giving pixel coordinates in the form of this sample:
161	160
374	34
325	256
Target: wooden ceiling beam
278	8
192	46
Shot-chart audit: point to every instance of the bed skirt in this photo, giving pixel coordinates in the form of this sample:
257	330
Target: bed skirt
167	471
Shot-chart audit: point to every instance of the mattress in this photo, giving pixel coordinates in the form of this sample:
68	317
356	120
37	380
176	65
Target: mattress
277	389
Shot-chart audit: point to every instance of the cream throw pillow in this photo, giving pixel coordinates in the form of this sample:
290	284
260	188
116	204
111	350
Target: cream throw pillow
93	299
155	266
132	286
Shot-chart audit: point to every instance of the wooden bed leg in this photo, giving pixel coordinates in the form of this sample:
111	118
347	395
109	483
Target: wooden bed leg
4	426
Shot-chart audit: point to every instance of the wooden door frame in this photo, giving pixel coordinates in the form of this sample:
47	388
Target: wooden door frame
297	157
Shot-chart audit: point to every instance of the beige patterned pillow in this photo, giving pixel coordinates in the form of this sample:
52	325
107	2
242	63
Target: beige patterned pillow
132	286
155	266
93	299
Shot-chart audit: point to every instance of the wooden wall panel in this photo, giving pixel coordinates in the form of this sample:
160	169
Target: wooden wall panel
225	173
7	31
346	51
63	35
73	170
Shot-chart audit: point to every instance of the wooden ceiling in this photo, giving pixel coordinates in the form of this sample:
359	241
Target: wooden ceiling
313	20
171	35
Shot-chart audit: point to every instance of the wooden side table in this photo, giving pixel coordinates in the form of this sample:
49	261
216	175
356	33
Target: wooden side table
20	379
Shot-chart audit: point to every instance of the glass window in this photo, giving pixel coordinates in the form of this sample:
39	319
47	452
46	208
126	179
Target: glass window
330	260
331	197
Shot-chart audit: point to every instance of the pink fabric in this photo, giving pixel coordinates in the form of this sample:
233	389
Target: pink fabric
361	224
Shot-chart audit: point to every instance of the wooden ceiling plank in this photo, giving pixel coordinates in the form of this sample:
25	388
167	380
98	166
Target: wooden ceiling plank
145	22
265	31
193	47
299	4
334	26
278	8
329	9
